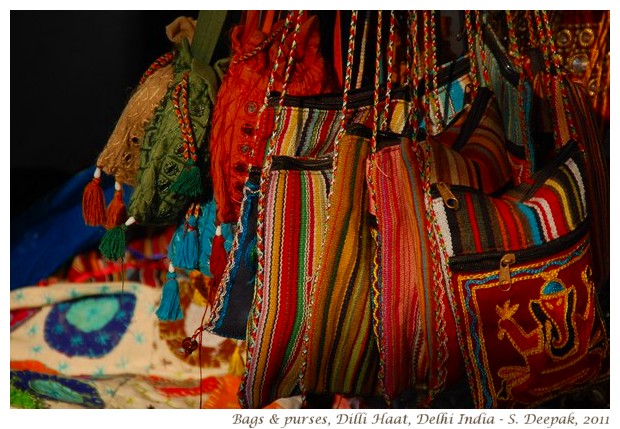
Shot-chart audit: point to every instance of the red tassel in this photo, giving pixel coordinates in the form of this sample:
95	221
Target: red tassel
93	202
218	259
116	214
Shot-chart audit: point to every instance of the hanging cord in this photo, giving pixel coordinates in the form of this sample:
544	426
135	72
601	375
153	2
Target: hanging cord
407	80
375	104
435	68
391	57
159	63
471	49
260	47
429	93
531	29
555	61
360	71
552	67
415	77
181	110
475	45
520	62
313	279
483	52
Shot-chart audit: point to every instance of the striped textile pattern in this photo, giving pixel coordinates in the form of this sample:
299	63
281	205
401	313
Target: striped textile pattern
472	150
452	101
401	300
566	109
509	96
552	205
231	307
597	172
295	211
342	355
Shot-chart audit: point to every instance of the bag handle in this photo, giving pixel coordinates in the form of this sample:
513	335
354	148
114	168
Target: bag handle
520	62
207	33
413	76
558	103
431	72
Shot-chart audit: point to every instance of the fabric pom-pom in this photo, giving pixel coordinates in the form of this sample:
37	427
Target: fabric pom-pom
93	202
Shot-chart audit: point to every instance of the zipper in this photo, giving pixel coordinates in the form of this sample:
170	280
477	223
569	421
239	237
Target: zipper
282	162
453	70
447	196
357	98
491	260
476	112
504	268
362	97
567	151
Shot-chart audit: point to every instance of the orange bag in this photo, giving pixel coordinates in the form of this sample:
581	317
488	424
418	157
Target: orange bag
233	145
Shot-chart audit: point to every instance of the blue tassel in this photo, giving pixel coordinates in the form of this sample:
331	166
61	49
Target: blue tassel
186	252
170	305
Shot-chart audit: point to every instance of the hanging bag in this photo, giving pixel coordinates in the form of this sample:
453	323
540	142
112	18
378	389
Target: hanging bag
171	168
519	268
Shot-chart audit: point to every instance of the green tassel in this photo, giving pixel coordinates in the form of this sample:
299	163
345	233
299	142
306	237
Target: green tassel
186	253
113	243
189	182
170	305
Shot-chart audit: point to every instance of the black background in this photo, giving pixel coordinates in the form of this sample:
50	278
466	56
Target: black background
72	73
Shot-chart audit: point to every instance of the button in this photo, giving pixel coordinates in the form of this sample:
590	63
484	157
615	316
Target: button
244	149
251	107
241	167
247	130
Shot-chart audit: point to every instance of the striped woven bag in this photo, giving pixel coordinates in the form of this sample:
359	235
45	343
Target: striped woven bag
341	351
294	212
520	266
306	126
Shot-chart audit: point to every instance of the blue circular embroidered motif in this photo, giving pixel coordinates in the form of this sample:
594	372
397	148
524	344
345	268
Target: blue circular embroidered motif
90	326
57	388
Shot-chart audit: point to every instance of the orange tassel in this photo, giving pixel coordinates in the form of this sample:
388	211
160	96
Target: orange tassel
218	259
116	213
93	202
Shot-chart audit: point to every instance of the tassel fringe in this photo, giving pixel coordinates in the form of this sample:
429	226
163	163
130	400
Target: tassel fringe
93	202
170	305
116	213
